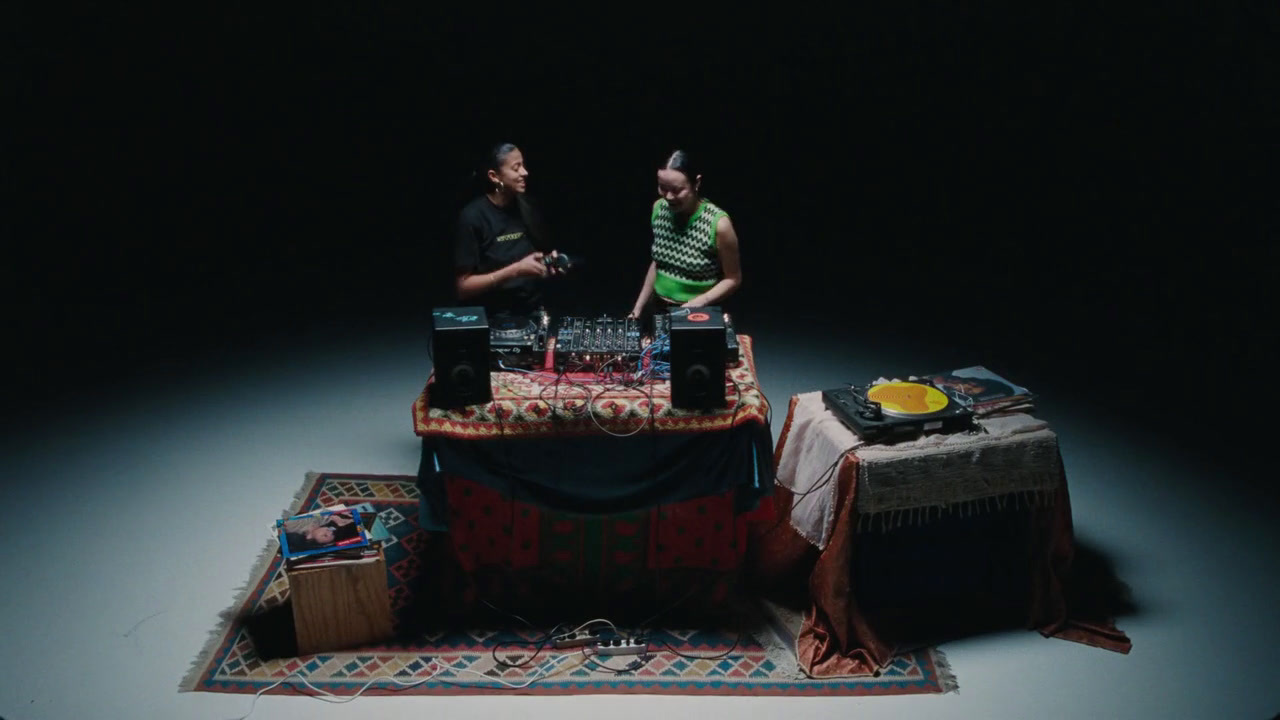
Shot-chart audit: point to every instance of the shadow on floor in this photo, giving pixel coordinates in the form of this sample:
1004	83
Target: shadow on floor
1095	591
271	632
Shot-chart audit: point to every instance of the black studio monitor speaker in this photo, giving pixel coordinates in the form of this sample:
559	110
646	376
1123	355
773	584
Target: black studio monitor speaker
460	354
697	358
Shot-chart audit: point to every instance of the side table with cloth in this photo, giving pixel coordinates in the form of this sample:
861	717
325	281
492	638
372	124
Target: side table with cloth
577	485
903	545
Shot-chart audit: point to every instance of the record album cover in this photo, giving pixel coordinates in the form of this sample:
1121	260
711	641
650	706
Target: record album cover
977	386
321	532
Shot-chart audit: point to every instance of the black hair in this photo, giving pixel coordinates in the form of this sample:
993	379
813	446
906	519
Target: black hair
493	159
299	542
680	161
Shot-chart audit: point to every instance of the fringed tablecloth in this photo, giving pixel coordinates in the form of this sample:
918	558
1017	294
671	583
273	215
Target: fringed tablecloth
835	492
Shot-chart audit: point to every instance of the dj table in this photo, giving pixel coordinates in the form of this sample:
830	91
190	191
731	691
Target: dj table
595	485
893	547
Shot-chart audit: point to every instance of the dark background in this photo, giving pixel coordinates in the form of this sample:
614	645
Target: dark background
1046	186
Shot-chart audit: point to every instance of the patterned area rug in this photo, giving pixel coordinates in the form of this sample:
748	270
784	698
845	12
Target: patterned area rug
248	651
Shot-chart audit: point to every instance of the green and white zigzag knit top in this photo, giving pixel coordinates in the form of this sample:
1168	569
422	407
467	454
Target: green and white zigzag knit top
685	252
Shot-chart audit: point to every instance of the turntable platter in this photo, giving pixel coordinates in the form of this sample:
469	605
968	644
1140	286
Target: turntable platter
909	399
512	327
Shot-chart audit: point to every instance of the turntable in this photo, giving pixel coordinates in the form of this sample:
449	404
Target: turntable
518	340
895	411
511	328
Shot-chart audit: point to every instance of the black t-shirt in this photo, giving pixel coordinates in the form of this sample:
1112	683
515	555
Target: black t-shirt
488	238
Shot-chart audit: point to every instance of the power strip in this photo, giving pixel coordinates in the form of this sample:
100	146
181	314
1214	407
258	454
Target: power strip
575	639
622	646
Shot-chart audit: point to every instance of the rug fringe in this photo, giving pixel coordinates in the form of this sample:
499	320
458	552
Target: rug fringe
946	676
778	637
295	506
213	642
270	548
776	628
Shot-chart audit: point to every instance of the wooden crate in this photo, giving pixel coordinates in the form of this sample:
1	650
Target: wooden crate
340	606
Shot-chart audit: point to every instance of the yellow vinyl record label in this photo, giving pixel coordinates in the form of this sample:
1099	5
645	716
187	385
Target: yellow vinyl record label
907	398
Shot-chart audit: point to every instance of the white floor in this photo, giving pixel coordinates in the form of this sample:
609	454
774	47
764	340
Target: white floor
106	603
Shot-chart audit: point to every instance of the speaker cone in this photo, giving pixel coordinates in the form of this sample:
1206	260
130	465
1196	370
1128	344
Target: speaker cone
463	376
698	374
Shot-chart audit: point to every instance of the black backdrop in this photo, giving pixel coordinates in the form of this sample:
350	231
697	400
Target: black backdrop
1073	181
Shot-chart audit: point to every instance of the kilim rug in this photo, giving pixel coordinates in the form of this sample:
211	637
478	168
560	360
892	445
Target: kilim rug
244	652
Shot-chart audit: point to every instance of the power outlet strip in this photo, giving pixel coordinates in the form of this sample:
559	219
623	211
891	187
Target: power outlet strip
575	639
622	646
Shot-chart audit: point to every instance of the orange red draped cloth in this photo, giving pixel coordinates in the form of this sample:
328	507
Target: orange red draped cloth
879	584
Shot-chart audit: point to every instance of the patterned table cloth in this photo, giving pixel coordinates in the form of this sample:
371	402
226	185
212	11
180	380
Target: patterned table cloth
536	405
597	462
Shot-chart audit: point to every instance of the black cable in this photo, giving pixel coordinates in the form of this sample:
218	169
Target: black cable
556	408
826	476
634	665
505	612
542	394
737	641
586	406
509	471
737	404
551	405
540	643
768	412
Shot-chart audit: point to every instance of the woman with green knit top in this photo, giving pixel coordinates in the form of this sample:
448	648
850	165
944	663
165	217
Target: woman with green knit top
695	248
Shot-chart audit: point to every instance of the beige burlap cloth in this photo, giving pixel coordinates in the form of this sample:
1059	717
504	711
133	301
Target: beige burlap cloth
1013	458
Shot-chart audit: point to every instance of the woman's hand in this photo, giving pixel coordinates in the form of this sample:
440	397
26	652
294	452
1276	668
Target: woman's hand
531	265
